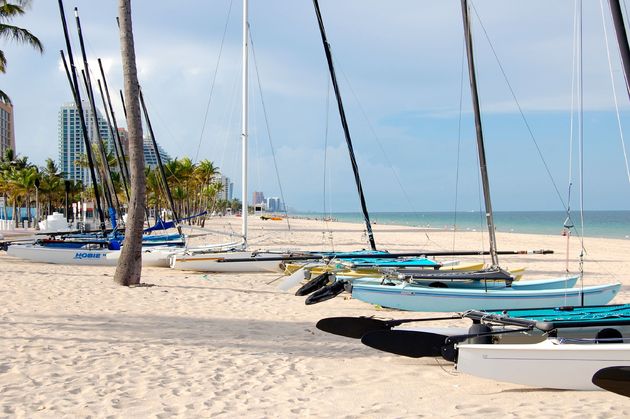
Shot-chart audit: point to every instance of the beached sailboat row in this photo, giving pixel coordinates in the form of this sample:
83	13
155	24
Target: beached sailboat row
580	345
489	288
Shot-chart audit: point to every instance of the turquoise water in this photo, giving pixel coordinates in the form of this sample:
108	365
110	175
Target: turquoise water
610	224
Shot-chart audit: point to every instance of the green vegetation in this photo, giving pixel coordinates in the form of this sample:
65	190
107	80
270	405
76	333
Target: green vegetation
193	186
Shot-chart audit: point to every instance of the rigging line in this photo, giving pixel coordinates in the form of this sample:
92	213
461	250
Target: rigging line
520	109
326	214
574	90
459	140
581	141
378	142
612	82
571	120
229	116
581	118
264	109
214	79
163	121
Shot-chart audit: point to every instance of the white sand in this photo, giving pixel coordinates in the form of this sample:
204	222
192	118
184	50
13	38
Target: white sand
74	344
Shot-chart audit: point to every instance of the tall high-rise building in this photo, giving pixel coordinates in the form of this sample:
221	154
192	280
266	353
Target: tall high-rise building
227	191
274	204
258	198
71	144
7	132
150	158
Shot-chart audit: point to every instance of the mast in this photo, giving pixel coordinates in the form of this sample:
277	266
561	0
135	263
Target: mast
344	123
169	196
111	131
120	151
88	87
622	39
74	86
244	122
480	146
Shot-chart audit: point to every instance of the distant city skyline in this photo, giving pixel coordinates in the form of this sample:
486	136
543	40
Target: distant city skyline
407	99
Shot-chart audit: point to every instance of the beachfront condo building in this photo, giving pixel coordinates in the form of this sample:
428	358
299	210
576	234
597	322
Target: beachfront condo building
150	158
227	187
71	144
7	133
258	198
274	204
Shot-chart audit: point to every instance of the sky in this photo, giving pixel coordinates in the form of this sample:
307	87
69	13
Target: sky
406	97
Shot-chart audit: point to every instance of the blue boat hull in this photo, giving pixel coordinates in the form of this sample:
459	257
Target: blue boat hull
417	298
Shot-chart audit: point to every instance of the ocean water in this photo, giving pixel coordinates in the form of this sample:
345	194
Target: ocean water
609	224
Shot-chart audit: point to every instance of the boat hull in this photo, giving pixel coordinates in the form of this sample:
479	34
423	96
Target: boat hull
416	298
63	256
214	262
87	257
548	364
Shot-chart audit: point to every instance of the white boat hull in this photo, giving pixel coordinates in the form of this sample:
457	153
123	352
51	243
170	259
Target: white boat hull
152	256
157	257
214	262
548	364
43	254
414	298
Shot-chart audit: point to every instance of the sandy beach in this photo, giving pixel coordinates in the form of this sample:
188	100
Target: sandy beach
74	344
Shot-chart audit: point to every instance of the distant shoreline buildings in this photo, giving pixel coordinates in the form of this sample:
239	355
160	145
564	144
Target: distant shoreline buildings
271	204
72	146
227	191
7	130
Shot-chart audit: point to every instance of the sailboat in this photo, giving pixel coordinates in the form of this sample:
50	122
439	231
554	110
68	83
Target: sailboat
562	348
209	258
241	259
97	248
415	295
602	362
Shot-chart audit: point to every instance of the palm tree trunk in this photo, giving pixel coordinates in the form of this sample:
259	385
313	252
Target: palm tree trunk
129	269
16	216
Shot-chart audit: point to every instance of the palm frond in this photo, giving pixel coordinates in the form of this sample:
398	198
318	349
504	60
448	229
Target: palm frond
3	62
8	11
20	35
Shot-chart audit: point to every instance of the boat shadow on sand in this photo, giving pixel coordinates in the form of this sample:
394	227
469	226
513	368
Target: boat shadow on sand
244	335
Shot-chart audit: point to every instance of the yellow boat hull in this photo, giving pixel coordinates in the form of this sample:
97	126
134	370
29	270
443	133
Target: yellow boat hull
344	270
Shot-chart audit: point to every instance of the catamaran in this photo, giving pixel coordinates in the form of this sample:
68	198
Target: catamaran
562	348
459	291
101	247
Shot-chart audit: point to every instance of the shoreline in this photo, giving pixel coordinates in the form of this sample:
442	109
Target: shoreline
543	229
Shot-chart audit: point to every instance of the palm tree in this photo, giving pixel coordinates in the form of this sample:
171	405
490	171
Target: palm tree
154	190
129	269
24	182
51	185
7	12
205	173
19	179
